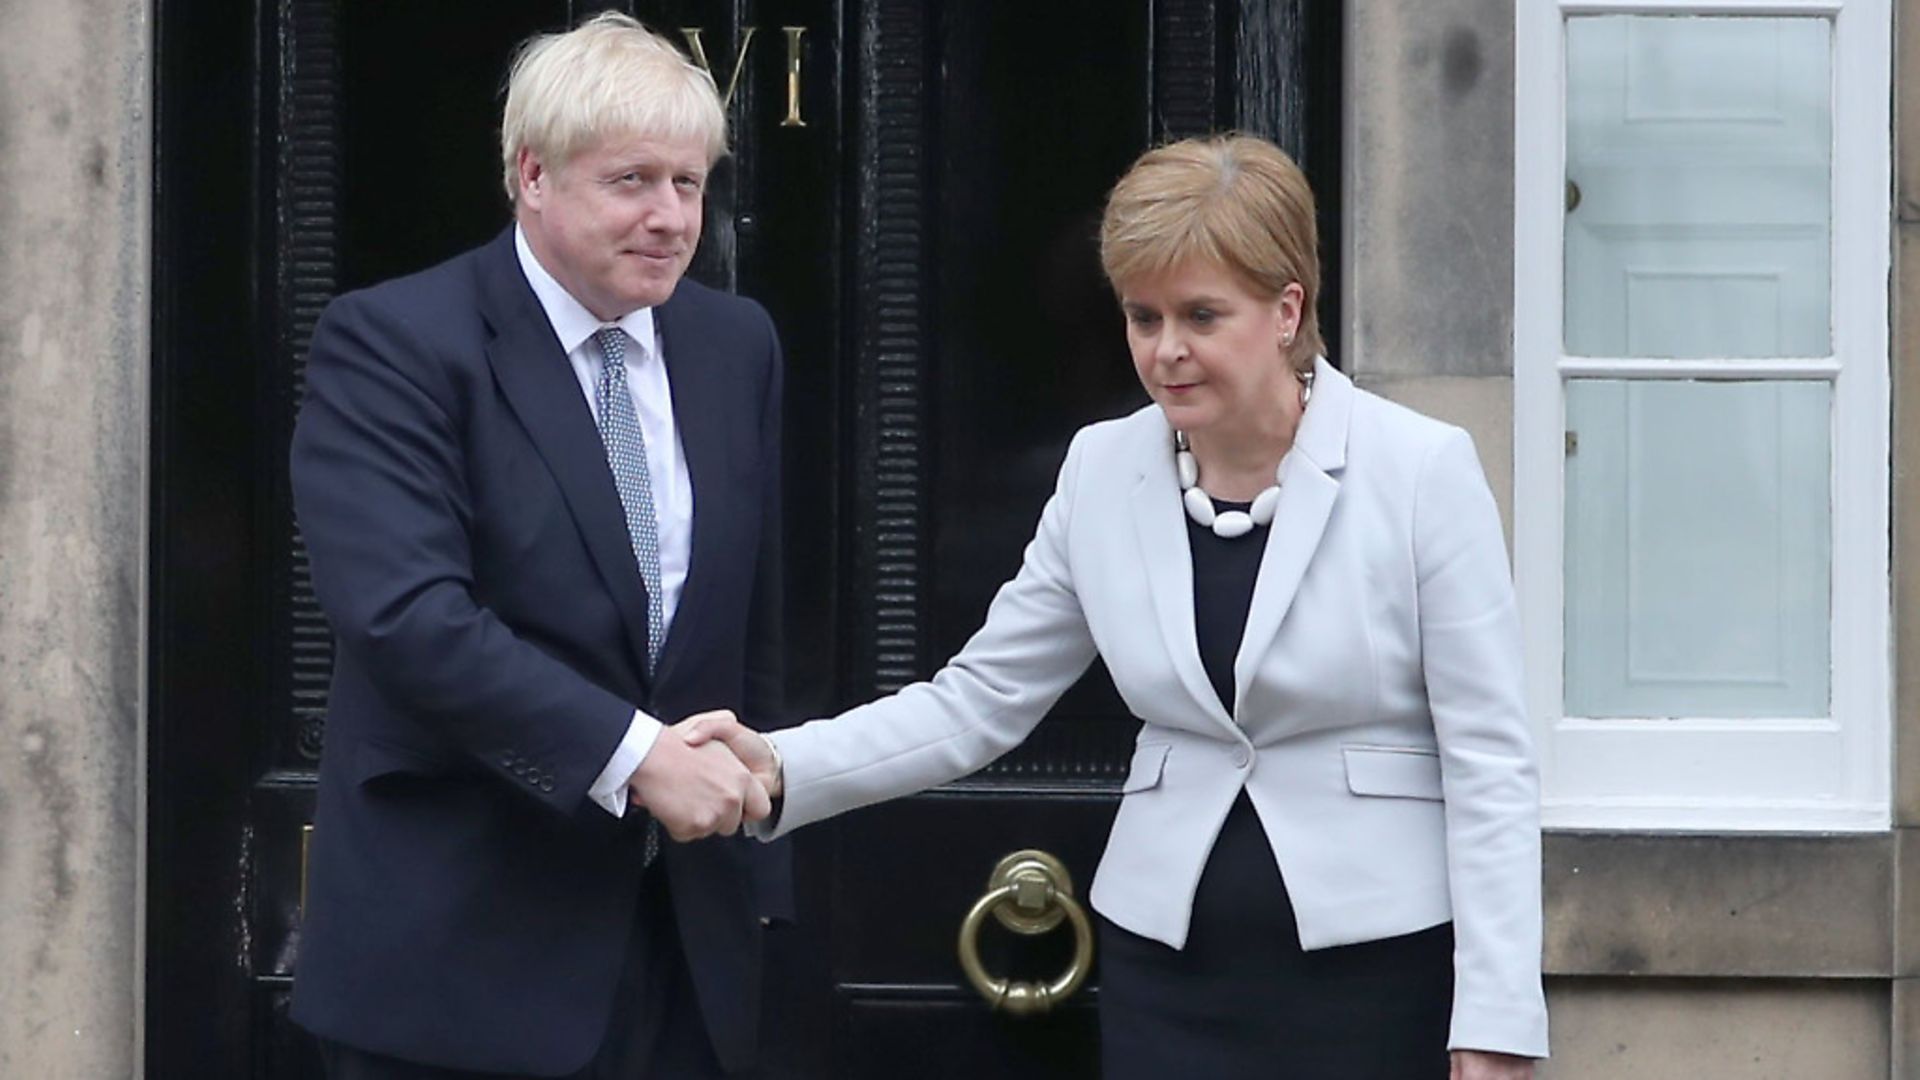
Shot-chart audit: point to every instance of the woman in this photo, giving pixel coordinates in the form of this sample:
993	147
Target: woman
1326	859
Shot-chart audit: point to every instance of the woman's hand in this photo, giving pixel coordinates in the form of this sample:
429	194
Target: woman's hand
754	750
1487	1065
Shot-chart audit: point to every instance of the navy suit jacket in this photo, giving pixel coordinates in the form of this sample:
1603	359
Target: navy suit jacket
468	905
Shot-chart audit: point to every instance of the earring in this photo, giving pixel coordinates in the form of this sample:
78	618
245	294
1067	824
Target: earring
1286	338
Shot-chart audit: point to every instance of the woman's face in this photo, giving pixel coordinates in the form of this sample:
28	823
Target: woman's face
1212	354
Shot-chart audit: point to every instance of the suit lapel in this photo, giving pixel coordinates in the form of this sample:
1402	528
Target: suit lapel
540	387
1307	496
700	417
1161	526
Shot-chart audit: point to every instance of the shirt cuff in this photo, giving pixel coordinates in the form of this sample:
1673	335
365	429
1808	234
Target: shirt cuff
610	790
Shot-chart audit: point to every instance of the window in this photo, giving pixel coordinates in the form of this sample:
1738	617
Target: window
1701	410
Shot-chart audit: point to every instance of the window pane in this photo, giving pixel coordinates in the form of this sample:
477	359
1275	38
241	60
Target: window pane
1699	164
1698	536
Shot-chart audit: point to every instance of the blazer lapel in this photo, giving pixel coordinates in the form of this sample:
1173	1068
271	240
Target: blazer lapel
1307	495
1161	526
540	387
701	414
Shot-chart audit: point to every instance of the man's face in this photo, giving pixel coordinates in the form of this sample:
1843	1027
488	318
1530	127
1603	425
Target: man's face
617	224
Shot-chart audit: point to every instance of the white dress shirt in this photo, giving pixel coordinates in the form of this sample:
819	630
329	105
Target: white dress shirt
575	326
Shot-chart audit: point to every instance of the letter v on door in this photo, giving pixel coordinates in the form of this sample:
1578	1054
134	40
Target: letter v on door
692	34
795	34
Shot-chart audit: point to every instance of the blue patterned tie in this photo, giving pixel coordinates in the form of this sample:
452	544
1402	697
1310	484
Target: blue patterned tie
627	456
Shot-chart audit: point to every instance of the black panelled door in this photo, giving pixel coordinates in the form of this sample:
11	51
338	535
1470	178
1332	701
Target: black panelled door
914	194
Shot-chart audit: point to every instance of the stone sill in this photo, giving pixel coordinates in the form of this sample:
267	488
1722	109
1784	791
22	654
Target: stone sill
1766	905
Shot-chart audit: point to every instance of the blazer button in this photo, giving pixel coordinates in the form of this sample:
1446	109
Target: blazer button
546	784
1241	756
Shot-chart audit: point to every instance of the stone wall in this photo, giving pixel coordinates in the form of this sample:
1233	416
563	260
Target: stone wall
1429	206
74	134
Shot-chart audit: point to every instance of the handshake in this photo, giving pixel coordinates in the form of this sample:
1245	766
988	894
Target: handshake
707	775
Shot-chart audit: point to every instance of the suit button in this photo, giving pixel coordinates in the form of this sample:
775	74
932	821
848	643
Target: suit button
546	784
1241	756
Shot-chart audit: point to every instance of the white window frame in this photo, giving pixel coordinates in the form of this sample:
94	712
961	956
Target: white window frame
1648	774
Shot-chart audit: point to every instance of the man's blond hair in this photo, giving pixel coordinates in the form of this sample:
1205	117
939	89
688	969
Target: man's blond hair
608	77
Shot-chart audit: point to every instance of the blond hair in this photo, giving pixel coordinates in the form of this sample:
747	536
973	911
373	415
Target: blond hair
608	77
1235	201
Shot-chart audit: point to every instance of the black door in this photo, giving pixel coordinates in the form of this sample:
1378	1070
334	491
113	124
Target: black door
914	193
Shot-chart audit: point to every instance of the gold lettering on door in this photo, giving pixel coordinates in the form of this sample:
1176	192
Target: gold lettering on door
739	61
794	34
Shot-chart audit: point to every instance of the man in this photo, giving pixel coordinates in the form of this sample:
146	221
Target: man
540	487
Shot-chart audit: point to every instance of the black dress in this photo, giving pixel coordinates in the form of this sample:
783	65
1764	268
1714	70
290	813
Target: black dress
1243	1000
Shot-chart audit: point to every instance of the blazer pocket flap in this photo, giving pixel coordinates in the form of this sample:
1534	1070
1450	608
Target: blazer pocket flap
1405	772
1148	761
373	760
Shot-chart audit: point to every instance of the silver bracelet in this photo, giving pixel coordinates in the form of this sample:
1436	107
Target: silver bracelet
779	766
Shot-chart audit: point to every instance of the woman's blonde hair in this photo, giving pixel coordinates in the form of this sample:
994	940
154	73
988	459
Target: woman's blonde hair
608	77
1235	201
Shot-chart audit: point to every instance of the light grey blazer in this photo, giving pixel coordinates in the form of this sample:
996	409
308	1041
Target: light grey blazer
1378	728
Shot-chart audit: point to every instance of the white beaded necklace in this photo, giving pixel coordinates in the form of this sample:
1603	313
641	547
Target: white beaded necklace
1227	524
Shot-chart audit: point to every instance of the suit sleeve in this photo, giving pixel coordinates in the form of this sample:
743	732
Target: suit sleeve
1034	644
765	647
766	664
1470	649
380	491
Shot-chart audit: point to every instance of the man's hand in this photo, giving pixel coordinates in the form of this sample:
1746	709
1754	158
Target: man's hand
752	748
1486	1065
696	791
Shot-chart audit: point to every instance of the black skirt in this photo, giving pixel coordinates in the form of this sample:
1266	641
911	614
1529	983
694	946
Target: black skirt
1243	1000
